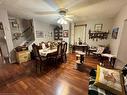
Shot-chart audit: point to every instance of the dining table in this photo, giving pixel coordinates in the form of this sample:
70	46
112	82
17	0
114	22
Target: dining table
83	47
46	52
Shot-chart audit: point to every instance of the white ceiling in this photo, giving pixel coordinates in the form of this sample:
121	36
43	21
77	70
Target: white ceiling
81	9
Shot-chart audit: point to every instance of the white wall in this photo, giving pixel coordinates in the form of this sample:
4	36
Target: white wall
107	25
122	51
3	44
5	21
115	43
72	34
22	25
118	22
45	28
67	39
20	40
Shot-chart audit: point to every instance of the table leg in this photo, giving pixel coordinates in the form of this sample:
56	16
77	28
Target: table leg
81	58
112	62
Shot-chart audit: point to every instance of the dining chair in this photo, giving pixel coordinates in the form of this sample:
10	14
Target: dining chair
98	52
56	57
54	44
40	61
43	45
64	50
49	44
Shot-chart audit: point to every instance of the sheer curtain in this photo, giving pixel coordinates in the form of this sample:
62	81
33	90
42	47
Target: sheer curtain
79	33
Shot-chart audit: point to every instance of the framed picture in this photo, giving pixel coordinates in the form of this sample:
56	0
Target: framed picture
65	33
115	33
98	27
14	23
39	34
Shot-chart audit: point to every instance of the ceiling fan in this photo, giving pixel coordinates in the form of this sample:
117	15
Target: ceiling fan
63	17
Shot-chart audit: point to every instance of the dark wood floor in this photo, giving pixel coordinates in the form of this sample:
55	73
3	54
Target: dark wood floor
63	80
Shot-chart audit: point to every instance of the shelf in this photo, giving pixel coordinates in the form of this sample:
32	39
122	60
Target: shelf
98	35
58	33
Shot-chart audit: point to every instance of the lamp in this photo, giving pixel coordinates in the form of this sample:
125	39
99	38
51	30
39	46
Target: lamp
62	21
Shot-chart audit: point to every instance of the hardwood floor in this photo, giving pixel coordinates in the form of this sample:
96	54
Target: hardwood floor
63	80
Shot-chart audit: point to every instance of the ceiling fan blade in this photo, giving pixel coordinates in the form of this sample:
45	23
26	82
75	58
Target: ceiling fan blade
69	19
47	13
70	16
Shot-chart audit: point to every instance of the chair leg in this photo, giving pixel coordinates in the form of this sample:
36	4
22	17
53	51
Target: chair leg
36	67
65	57
40	66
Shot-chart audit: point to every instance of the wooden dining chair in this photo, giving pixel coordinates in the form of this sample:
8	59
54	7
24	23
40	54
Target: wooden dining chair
56	57
42	45
49	44
54	44
64	50
40	61
59	50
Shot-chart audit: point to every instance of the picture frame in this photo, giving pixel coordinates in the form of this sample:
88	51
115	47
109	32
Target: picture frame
98	27
39	34
14	23
65	33
115	32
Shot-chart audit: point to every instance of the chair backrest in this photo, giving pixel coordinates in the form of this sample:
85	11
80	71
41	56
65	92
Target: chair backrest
49	43
100	49
43	45
35	50
55	44
65	48
107	50
63	45
59	49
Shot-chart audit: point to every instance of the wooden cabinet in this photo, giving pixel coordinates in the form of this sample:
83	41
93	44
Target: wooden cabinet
23	56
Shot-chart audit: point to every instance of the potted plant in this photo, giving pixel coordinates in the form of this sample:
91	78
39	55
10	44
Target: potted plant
80	41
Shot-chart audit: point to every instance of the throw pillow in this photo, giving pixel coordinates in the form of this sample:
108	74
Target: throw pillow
110	79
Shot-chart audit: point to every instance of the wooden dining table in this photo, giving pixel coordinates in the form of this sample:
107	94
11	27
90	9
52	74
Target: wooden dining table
82	47
45	52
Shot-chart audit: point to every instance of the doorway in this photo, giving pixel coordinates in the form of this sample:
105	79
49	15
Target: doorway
80	33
